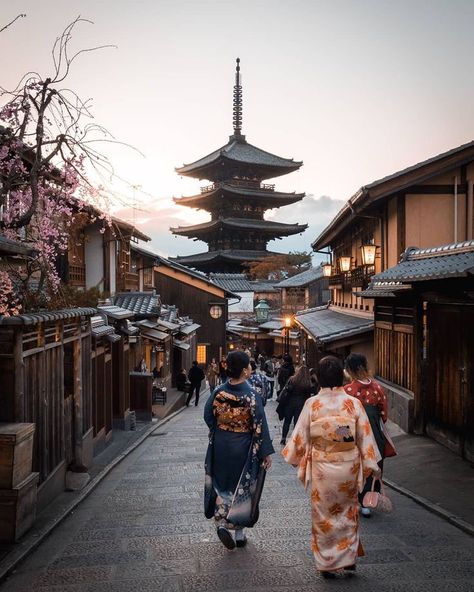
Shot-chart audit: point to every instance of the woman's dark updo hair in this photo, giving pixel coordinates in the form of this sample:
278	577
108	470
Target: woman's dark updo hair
253	364
356	365
329	372
236	362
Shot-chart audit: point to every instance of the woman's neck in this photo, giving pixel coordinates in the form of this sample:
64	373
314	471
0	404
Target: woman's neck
236	381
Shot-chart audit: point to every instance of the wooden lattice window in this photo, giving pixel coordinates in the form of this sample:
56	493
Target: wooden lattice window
395	344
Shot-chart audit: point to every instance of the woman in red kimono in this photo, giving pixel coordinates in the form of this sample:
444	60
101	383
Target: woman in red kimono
369	392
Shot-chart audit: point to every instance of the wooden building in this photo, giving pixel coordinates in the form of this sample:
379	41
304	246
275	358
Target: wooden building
203	300
424	339
236	200
307	289
45	365
426	205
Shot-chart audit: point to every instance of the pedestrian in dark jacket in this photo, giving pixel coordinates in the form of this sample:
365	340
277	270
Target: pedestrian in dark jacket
286	371
298	389
181	380
196	376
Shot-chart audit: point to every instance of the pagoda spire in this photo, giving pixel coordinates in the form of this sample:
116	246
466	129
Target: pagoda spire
237	103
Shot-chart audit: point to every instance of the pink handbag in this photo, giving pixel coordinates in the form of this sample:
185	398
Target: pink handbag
377	501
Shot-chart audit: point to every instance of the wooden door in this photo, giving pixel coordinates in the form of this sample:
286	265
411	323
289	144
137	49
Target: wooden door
450	399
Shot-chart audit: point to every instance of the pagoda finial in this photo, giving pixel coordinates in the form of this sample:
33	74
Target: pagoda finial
237	102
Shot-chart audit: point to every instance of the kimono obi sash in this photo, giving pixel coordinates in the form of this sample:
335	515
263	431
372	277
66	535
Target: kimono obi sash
232	413
333	438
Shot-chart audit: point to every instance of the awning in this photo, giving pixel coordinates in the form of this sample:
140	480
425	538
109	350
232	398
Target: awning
325	325
154	334
181	345
188	329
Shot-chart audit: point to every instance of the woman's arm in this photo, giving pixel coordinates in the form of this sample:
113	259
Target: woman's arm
209	417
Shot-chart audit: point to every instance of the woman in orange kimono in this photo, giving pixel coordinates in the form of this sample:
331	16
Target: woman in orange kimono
334	449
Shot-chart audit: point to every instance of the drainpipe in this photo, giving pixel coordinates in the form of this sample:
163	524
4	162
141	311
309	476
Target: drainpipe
456	209
470	211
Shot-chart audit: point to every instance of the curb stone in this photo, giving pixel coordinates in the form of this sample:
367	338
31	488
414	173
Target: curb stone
432	507
33	540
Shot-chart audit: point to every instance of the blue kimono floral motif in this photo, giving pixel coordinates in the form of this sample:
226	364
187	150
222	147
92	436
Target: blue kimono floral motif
238	442
261	385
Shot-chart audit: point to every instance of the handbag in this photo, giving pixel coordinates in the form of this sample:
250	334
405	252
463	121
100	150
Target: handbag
377	501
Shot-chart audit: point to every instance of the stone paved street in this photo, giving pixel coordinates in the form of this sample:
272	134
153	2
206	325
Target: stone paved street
143	529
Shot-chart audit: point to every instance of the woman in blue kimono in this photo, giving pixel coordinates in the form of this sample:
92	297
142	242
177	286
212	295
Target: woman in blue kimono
238	454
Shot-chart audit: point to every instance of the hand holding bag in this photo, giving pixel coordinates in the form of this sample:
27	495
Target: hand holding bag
377	501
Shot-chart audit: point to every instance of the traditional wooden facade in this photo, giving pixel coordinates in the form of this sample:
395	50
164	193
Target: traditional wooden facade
304	290
237	200
424	321
427	205
45	364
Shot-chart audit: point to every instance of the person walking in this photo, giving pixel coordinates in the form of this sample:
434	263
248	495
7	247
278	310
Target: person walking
238	453
258	382
212	374
195	376
269	370
286	371
222	371
372	396
333	447
298	389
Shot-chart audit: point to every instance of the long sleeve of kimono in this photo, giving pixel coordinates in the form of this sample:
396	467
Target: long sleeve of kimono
267	446
208	413
297	451
365	441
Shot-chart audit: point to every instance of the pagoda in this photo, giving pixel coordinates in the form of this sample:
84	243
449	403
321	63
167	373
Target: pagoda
237	199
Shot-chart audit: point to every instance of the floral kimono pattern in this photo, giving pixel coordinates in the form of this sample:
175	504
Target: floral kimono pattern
334	449
238	441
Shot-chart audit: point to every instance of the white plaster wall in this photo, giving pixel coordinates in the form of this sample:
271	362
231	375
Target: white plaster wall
245	304
94	255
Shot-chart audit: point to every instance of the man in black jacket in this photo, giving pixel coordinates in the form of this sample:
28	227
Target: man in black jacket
286	371
196	376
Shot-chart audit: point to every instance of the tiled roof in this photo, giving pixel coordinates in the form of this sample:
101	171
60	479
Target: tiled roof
261	225
326	325
273	324
231	254
264	285
448	261
242	152
302	279
235	282
116	312
274	199
11	247
140	303
47	316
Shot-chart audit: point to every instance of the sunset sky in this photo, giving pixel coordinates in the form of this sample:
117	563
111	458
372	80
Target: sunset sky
357	89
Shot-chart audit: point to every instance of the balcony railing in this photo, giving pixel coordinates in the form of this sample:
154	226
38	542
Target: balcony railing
128	280
359	277
77	275
241	183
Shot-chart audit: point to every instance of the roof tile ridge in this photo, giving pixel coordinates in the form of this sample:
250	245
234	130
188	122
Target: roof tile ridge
415	253
272	154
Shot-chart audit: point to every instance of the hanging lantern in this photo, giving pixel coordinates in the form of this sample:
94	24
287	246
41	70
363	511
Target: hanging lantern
262	311
287	322
327	269
345	264
368	254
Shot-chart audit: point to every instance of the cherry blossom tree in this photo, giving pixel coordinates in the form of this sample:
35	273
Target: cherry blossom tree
48	149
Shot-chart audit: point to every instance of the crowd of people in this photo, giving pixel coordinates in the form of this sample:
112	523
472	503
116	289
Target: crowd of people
338	445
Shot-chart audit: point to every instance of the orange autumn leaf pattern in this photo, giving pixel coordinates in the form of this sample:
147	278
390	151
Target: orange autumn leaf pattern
349	406
316	406
370	452
353	513
355	468
336	509
325	526
343	544
367	429
315	497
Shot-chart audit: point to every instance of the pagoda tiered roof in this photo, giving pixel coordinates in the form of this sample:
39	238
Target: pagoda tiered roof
241	158
215	194
216	260
262	226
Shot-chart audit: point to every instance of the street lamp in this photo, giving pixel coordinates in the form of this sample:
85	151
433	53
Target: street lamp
288	322
345	264
262	311
327	269
368	254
